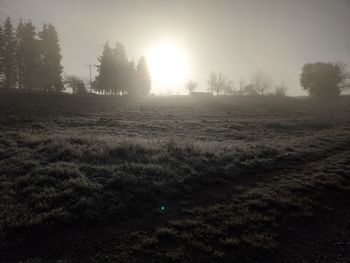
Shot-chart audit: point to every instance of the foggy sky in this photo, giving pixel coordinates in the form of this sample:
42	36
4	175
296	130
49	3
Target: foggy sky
236	37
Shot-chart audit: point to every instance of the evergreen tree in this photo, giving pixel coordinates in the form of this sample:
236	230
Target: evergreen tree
28	57
104	80
9	56
51	69
118	76
19	54
121	70
132	79
143	76
115	71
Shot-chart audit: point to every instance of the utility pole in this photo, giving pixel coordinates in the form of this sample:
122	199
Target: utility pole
90	67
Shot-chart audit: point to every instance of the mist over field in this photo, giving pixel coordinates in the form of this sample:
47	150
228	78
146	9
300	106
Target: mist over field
174	131
236	37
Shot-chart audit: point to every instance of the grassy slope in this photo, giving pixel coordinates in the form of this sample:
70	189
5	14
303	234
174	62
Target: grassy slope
232	173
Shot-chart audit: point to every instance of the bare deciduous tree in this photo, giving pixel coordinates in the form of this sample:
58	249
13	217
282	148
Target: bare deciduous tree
75	83
191	86
262	82
217	82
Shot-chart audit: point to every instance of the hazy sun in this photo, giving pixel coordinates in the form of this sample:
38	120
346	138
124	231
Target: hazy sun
169	66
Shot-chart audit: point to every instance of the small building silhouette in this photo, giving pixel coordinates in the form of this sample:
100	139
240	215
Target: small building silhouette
201	94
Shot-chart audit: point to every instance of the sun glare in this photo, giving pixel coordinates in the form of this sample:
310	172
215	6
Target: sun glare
169	66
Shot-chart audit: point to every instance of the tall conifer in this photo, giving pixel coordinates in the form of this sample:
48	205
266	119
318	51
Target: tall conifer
29	58
104	80
51	69
9	56
144	78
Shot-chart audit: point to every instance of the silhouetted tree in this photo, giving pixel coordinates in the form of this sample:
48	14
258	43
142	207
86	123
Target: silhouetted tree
280	90
27	62
217	82
76	84
114	71
324	80
19	54
28	57
118	76
105	78
144	77
190	86
9	56
261	82
131	79
51	69
121	70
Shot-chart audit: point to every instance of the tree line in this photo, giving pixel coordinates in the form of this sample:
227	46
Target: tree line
30	59
220	84
320	79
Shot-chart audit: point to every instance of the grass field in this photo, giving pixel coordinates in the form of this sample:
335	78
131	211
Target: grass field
173	179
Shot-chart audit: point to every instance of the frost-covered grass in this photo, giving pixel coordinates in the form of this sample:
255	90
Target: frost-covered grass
67	160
